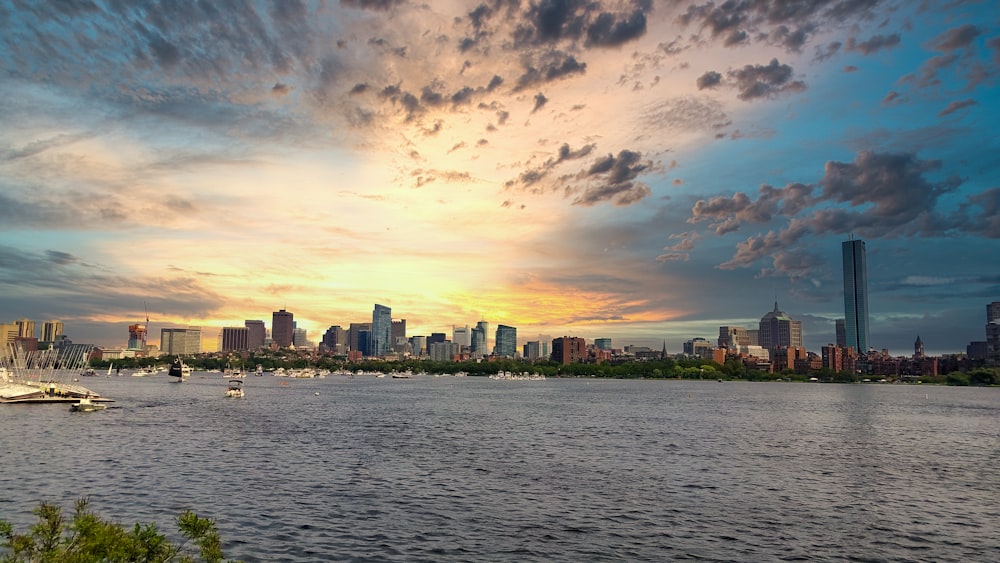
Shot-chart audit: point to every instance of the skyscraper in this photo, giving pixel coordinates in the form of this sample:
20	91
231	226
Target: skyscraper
256	334
381	331
778	330
52	330
506	343
281	328
855	295
993	333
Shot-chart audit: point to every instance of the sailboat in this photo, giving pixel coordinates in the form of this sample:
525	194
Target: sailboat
179	370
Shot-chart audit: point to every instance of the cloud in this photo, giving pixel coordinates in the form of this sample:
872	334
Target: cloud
878	195
873	44
957	105
608	30
612	178
765	81
956	38
540	101
552	66
710	79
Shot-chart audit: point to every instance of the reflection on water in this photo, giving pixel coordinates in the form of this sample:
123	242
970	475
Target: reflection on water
558	470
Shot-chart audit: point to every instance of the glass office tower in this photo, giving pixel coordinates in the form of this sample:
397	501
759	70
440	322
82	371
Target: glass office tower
855	295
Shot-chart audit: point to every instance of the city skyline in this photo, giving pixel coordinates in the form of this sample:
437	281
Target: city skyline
626	169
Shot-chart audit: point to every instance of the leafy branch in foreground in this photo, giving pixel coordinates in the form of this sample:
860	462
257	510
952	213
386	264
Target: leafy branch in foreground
90	538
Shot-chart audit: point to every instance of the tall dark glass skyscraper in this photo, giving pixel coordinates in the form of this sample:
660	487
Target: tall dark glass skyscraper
855	295
381	336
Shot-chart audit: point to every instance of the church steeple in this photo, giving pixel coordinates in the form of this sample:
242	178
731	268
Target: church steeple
918	348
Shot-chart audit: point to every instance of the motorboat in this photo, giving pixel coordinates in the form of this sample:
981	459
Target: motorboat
86	405
235	388
143	372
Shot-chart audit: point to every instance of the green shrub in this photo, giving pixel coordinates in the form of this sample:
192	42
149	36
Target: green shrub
90	538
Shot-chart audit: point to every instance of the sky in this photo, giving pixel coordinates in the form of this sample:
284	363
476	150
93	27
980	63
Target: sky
641	170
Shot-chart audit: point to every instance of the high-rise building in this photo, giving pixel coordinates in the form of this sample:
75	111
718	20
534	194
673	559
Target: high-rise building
532	350
778	330
25	328
335	340
8	333
506	345
235	338
137	336
381	331
256	334
419	344
461	335
841	332
398	335
855	295
180	341
52	330
993	333
602	343
732	337
479	339
300	338
282	326
569	349
697	347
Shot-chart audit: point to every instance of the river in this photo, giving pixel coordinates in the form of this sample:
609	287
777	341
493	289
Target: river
472	469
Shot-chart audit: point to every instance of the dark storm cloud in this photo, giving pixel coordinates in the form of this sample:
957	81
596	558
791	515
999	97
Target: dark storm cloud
612	178
540	101
710	79
878	195
956	105
873	44
607	30
552	66
764	81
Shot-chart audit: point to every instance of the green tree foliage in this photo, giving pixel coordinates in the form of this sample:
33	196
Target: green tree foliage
89	538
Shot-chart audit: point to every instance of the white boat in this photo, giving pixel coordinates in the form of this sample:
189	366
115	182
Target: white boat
86	405
143	372
235	389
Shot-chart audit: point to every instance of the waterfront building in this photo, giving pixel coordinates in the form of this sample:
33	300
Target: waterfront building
365	340
778	330
335	340
732	337
256	334
855	295
993	333
381	331
569	349
180	341
300	338
506	341
840	327
462	335
698	346
602	343
354	335
480	341
398	335
419	344
282	325
446	351
52	331
137	336
25	328
532	350
235	338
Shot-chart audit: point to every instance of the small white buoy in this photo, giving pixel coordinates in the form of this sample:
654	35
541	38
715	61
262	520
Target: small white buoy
316	393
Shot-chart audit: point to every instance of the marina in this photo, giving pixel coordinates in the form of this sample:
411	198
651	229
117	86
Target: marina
44	376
